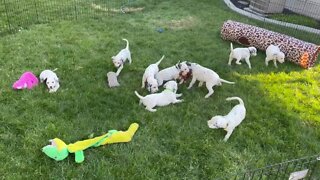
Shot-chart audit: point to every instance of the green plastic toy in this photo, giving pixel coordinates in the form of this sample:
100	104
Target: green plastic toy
59	150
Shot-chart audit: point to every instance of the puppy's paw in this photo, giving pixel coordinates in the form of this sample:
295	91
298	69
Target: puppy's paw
151	110
207	96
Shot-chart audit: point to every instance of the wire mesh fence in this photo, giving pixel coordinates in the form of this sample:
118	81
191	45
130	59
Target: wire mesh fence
294	17
15	14
307	168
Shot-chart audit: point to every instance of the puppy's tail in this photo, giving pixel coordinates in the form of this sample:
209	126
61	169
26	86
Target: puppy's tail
231	47
139	96
55	69
225	81
127	47
235	98
157	63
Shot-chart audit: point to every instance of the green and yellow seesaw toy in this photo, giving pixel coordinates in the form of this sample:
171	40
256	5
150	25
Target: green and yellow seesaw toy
59	150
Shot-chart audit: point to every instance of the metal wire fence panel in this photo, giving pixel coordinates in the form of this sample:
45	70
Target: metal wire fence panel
297	18
304	168
15	14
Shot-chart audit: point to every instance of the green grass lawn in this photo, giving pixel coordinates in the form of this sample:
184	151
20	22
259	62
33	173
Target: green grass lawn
282	104
297	19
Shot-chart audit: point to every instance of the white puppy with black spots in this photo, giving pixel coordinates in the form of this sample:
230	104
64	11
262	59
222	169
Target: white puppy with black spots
230	121
122	57
51	79
149	77
171	73
274	53
241	53
166	97
206	75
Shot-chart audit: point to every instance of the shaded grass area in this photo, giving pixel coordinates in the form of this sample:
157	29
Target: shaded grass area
175	142
297	19
16	15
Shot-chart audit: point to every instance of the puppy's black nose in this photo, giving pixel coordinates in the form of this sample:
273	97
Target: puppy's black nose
50	87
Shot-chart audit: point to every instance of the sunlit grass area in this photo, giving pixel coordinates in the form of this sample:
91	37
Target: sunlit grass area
298	92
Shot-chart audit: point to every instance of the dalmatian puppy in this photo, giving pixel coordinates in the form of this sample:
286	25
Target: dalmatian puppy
206	75
51	79
149	77
241	53
171	73
166	97
273	53
230	121
121	57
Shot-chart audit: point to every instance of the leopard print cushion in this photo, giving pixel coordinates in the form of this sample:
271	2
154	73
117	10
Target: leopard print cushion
300	52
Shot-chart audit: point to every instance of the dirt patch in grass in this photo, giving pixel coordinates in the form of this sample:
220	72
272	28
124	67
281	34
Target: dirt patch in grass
184	23
121	10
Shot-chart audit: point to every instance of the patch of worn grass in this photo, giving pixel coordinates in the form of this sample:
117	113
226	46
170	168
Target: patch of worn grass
174	142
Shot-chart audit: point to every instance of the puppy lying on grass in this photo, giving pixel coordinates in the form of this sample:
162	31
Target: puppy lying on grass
166	97
230	121
51	79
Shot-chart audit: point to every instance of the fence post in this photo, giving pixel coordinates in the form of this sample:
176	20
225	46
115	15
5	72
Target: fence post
36	8
7	15
75	9
316	163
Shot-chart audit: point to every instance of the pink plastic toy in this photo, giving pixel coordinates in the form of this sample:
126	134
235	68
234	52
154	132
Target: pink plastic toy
27	80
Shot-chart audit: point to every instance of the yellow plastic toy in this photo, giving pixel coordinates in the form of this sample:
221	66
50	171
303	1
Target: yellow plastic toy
59	150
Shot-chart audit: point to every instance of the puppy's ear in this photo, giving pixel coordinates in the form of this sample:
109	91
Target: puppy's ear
112	57
149	87
178	65
165	85
174	90
56	79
